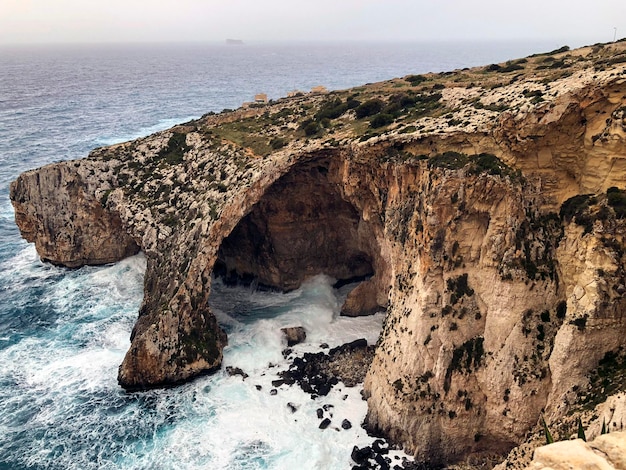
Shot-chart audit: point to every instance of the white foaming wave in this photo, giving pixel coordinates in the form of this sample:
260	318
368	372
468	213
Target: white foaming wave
84	346
214	422
27	265
90	291
253	429
161	125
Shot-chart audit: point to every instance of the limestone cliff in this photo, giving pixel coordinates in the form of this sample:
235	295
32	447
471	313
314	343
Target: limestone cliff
483	208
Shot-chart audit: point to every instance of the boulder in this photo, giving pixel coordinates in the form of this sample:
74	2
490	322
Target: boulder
294	335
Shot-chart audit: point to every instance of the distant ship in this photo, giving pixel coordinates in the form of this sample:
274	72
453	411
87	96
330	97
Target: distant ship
234	42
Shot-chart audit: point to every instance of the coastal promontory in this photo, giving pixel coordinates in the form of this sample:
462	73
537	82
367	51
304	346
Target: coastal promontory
483	209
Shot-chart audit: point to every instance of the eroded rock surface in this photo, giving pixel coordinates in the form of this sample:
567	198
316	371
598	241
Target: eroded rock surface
484	210
606	452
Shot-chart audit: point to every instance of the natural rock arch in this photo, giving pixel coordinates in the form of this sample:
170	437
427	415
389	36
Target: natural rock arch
300	227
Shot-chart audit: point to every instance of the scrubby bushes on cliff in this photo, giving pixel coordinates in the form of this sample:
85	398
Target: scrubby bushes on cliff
477	164
310	127
415	79
335	108
465	359
381	120
369	108
175	149
616	198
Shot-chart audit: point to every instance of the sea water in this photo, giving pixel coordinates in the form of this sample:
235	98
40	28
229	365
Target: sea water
63	333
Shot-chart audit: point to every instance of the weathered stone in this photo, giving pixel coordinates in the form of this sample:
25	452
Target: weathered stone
362	300
607	452
294	335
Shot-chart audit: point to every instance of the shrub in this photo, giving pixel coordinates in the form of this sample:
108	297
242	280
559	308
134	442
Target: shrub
448	160
277	143
381	120
369	108
175	149
616	198
574	207
415	79
331	109
490	164
310	127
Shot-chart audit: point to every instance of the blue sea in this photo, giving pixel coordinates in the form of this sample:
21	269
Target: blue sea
63	333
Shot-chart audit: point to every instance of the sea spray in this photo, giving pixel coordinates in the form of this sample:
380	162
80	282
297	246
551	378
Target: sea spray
68	411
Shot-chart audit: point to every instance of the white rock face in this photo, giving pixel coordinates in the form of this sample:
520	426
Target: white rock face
606	452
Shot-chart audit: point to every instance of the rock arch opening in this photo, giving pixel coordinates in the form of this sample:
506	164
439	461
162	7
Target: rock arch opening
302	226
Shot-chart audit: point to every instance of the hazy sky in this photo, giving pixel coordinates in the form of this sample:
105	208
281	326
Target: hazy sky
42	21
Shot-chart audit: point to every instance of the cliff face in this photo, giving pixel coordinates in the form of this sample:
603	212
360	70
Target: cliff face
467	208
69	226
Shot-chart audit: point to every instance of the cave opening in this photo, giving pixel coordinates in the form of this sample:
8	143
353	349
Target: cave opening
301	227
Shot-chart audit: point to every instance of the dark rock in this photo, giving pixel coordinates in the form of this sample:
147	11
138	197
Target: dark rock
382	462
292	407
325	423
318	373
258	387
320	413
360	456
347	347
346	424
294	335
380	447
327	407
286	352
273	391
324	346
236	371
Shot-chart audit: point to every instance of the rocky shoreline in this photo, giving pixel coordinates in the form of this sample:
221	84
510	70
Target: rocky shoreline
484	208
347	364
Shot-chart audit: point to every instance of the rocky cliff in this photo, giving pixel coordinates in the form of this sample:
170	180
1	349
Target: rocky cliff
482	208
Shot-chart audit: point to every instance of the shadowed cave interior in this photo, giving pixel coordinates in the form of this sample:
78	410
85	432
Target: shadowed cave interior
302	227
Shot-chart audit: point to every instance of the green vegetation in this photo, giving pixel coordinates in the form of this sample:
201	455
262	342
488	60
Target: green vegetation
415	79
555	51
607	379
465	359
616	198
175	149
310	127
458	287
334	108
381	120
510	66
484	163
277	143
577	209
448	160
546	432
369	108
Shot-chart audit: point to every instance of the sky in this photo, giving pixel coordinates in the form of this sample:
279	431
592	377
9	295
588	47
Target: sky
576	22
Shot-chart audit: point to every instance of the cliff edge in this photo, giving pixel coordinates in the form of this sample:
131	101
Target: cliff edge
485	209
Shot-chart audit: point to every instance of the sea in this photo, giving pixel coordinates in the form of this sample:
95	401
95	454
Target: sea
63	333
